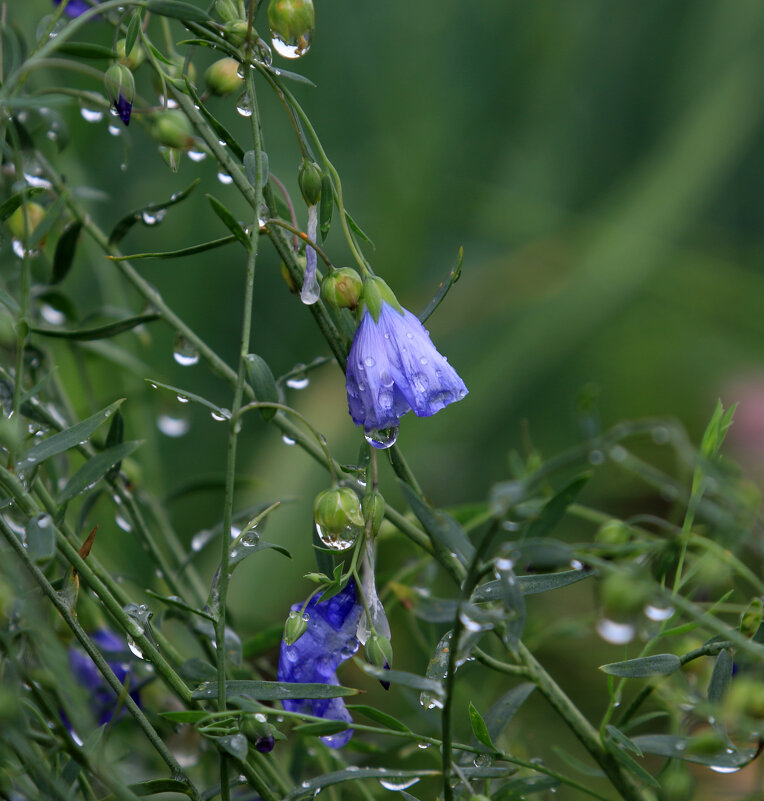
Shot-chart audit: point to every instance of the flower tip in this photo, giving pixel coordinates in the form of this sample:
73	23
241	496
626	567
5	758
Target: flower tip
124	108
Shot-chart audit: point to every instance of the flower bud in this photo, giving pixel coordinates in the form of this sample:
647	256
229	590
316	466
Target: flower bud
375	293
613	532
260	732
677	785
291	23
338	517
120	87
15	223
132	61
223	77
625	592
236	31
229	10
342	288
171	128
379	651
296	625
374	509
745	697
309	178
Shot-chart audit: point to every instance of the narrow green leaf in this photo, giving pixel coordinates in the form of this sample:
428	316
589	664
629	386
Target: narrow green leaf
196	669
443	288
220	413
14	201
291	76
132	31
52	214
185	715
479	729
411	680
263	383
521	788
322	729
501	713
178	254
41	538
85	50
65	250
234	744
178	9
115	436
95	469
720	677
99	332
273	690
326	206
174	601
532	585
656	665
230	222
156	786
625	742
58	443
388	721
121	229
357	229
673	747
631	764
576	764
554	509
446	534
222	132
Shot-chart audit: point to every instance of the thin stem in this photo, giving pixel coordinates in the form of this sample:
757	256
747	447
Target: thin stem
305	238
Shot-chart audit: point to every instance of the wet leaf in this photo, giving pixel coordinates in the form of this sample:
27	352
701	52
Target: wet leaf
178	9
95	469
411	680
230	222
66	247
656	665
99	332
263	383
87	50
41	538
177	254
479	728
388	721
554	509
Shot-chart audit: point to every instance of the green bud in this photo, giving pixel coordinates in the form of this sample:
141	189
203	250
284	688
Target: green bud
745	696
614	532
677	785
132	61
750	620
309	178
223	77
291	23
624	593
374	509
120	87
375	292
229	10
15	222
342	288
379	652
171	128
236	31
338	516
296	625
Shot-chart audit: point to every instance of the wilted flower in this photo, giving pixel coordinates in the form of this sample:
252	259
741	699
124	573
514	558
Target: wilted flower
103	699
75	7
329	640
393	367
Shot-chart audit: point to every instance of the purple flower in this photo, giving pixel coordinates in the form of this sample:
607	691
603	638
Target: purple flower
124	108
103	699
328	641
75	7
393	367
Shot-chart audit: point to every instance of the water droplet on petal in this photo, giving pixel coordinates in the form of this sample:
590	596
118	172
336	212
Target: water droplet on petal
383	438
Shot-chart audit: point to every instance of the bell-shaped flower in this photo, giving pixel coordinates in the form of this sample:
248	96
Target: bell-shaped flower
75	7
328	641
393	367
103	699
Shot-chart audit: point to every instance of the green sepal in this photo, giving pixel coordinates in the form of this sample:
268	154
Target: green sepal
375	293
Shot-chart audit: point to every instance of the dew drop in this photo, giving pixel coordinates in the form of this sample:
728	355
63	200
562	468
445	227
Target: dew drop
133	646
299	380
173	426
596	457
660	435
397	786
615	633
123	522
385	398
199	540
182	399
184	353
197	155
51	315
339	540
724	768
115	130
383	438
294	47
218	415
91	114
244	105
224	178
423	746
152	217
658	613
287	440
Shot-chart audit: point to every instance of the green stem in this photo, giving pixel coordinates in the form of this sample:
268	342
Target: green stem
305	238
95	655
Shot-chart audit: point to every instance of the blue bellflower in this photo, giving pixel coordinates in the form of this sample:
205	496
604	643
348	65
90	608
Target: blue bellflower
393	367
328	641
103	699
75	7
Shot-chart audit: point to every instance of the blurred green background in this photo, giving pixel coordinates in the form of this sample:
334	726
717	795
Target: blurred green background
601	164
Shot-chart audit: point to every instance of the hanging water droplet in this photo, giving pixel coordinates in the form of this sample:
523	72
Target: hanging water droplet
596	457
470	624
218	415
181	398
618	453
197	155
224	178
724	768
244	105
114	130
37	182
299	379
287	440
51	315
250	539
173	426
658	613
660	435
122	522
382	439
91	114
338	540
133	646
614	632
184	353
200	539
481	761
576	565
423	746
398	784
153	217
295	47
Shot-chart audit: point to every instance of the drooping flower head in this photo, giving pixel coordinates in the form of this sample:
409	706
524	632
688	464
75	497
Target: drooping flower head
75	7
393	367
330	639
103	699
